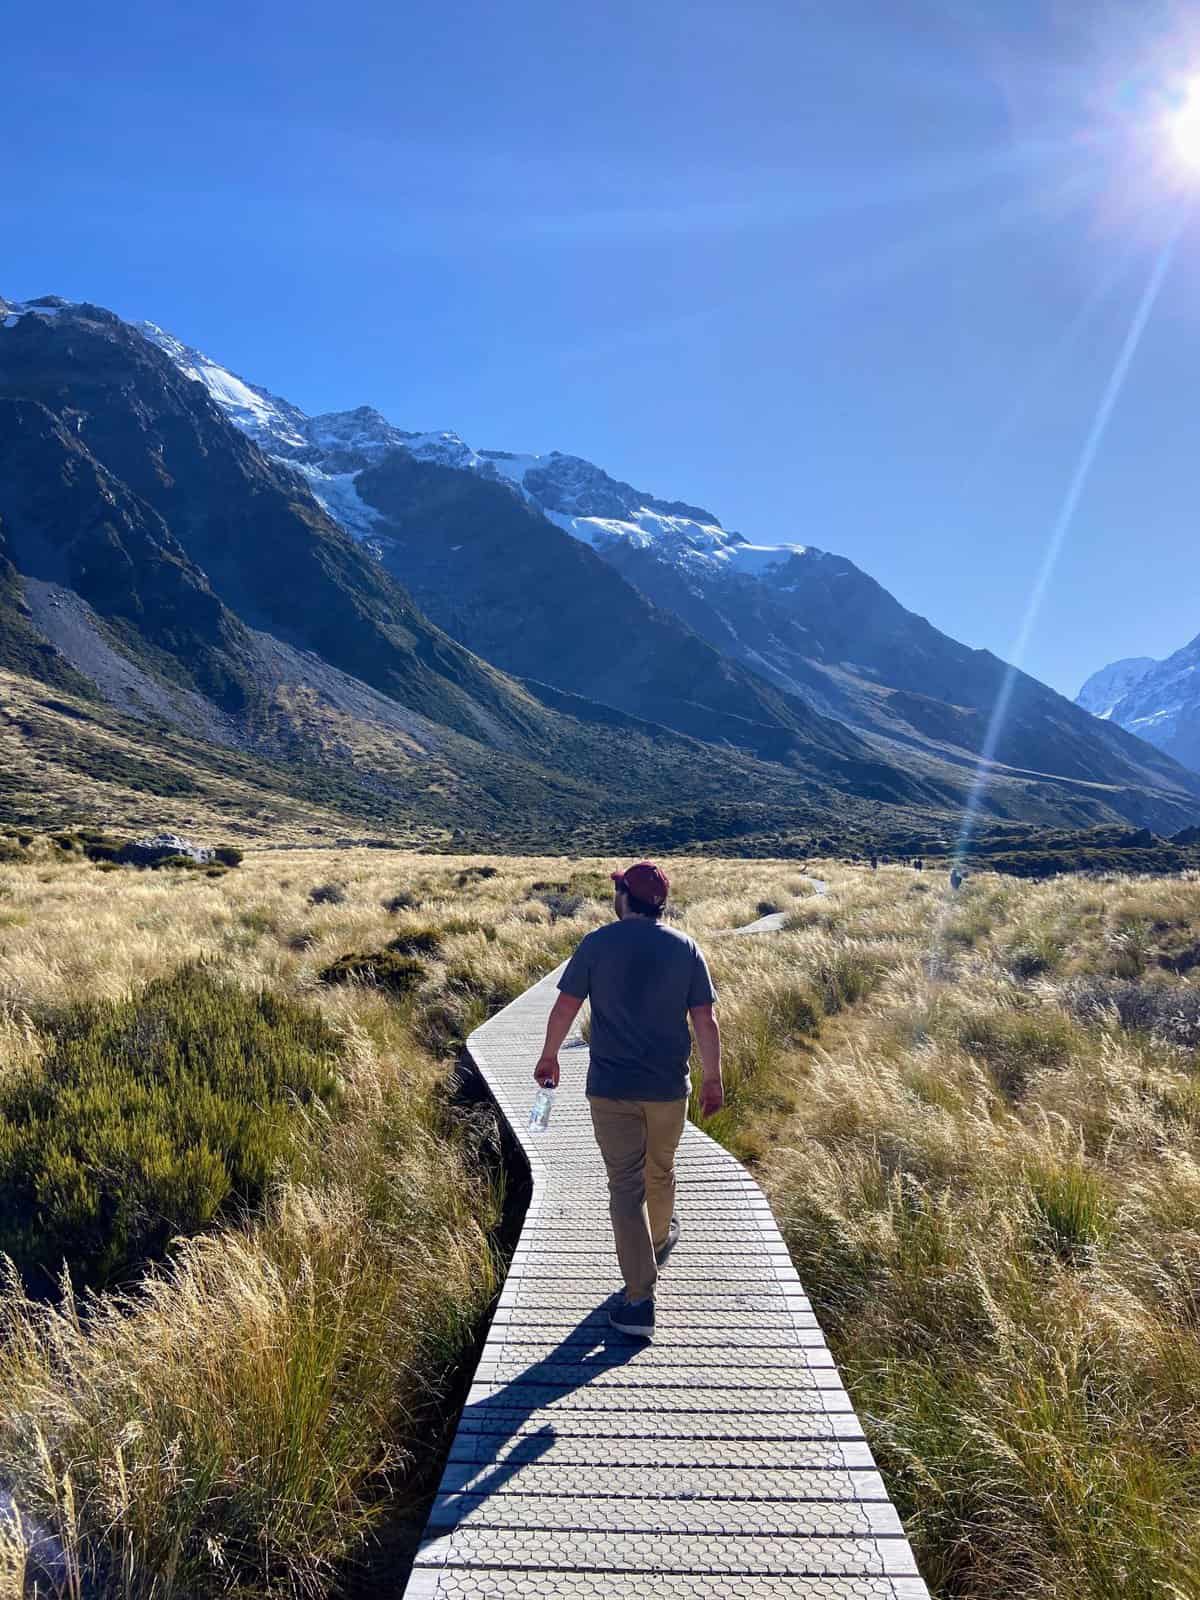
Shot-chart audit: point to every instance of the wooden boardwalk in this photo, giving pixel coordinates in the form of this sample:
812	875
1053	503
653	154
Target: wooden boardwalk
722	1462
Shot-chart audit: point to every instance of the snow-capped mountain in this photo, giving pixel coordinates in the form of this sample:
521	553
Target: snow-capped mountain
1157	700
1104	690
332	448
155	562
807	623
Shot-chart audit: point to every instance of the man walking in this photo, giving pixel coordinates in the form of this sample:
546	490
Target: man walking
644	981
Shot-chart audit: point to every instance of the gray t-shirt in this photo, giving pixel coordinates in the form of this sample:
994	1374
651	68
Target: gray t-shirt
642	979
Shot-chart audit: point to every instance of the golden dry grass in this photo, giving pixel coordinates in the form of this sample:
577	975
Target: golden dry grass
977	1115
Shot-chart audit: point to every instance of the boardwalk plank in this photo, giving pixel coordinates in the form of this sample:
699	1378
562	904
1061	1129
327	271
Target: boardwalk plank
722	1462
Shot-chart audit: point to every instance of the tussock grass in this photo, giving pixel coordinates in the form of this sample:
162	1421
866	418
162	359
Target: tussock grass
986	1168
979	1127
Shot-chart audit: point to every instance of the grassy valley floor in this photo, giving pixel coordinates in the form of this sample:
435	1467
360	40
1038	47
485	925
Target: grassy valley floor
977	1116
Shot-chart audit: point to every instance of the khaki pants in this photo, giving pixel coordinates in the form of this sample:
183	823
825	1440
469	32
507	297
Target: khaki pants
637	1139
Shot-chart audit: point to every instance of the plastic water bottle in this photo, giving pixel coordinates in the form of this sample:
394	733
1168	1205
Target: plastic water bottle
539	1112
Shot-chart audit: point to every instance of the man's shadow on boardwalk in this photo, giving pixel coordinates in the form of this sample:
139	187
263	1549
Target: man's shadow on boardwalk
587	1350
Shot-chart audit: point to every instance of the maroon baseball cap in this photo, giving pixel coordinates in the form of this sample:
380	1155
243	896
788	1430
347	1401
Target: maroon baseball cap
645	881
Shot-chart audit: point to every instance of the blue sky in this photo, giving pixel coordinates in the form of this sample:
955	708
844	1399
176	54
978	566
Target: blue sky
851	273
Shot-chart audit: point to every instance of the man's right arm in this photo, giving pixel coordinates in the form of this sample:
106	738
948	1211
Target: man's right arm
708	1042
573	989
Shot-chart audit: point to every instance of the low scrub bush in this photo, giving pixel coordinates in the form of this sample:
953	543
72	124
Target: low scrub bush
382	969
475	875
1033	955
1170	1013
147	1118
402	900
328	894
562	905
1131	948
417	942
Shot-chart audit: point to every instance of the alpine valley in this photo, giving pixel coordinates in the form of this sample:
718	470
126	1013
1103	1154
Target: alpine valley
213	605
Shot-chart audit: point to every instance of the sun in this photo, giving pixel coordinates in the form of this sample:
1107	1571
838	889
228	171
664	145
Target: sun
1183	127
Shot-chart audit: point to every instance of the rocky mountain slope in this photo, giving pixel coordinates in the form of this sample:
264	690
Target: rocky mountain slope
808	630
1157	700
156	565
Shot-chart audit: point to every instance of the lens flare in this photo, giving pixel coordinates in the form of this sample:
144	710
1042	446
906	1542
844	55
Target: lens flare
1184	127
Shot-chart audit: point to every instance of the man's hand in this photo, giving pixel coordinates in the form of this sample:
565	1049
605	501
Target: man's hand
546	1072
558	1025
712	1094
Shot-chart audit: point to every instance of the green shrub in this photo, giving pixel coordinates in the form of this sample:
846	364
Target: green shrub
99	847
453	925
404	900
794	1013
563	905
149	1117
228	855
417	942
328	894
10	851
1033	955
475	874
1168	1012
384	969
1132	948
590	885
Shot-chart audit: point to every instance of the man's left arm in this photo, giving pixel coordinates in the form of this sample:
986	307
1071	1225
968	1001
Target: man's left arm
558	1026
701	1001
708	1041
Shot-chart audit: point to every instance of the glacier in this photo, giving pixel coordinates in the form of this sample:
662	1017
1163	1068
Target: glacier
329	449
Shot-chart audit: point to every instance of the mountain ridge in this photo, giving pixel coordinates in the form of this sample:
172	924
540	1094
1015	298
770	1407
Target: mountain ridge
808	622
593	685
157	561
1159	701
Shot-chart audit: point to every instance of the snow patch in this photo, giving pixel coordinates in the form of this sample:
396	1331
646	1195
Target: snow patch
48	309
576	495
273	424
336	494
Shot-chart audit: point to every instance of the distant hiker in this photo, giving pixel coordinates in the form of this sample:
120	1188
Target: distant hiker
874	863
956	878
919	864
644	981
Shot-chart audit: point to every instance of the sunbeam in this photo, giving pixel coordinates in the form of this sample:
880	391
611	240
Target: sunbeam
1058	534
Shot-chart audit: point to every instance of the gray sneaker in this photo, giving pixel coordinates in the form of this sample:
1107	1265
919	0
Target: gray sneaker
634	1317
669	1243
